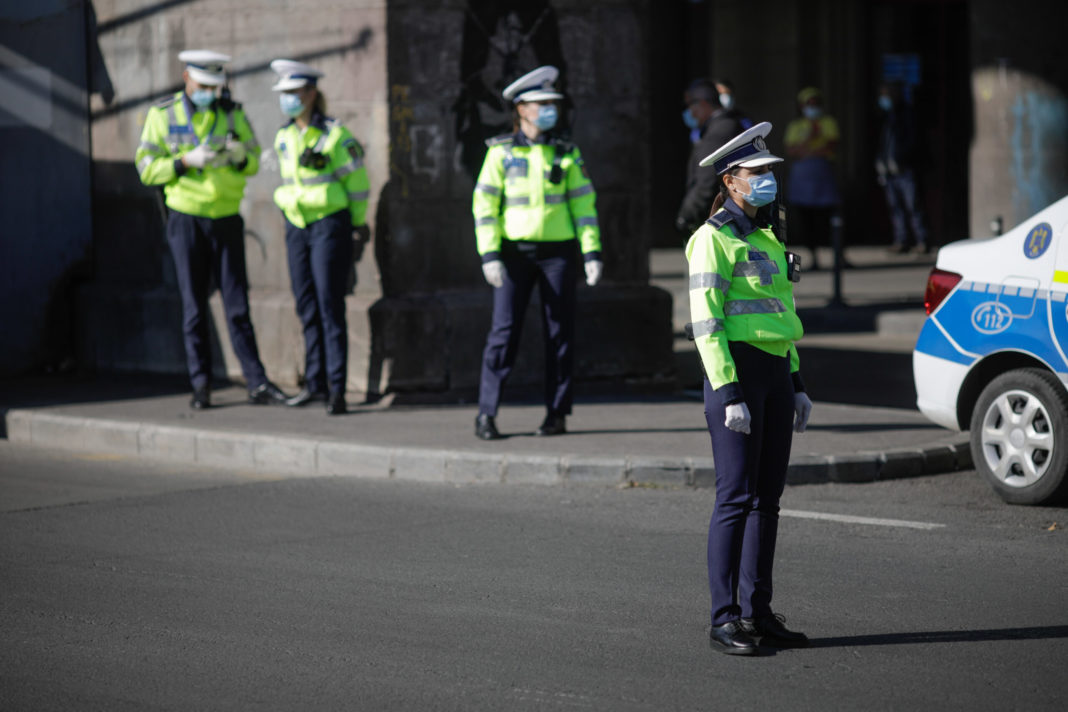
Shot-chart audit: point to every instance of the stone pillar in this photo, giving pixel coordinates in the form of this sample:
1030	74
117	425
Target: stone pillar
447	66
1019	152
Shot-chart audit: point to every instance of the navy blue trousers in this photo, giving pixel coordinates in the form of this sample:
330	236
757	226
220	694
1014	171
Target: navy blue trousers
750	477
553	267
905	210
208	251
320	258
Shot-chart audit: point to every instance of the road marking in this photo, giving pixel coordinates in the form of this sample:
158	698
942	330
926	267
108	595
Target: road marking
849	519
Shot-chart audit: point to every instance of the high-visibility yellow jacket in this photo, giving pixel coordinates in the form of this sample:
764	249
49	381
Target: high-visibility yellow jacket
309	193
515	199
173	127
740	291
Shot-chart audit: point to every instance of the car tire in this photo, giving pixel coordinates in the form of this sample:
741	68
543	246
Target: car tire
1019	436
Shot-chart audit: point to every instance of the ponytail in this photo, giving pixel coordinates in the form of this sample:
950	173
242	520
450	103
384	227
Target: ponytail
319	105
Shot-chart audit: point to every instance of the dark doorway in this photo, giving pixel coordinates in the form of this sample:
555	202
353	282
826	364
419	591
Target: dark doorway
924	48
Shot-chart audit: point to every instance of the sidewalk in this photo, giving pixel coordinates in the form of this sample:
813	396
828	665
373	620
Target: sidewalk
648	440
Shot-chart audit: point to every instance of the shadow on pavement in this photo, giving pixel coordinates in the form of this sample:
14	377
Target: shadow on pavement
945	636
833	375
69	389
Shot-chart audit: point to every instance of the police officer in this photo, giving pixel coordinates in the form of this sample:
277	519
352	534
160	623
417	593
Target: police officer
745	324
532	203
323	198
199	146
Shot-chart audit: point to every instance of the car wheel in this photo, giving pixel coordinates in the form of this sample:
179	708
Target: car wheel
1019	436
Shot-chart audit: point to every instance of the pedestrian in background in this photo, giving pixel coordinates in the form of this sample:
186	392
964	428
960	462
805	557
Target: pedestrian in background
534	208
199	146
323	198
894	161
711	126
745	325
728	100
812	191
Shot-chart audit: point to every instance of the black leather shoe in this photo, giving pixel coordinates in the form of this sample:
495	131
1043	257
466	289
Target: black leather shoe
731	638
304	397
486	428
335	405
267	394
201	399
773	633
552	425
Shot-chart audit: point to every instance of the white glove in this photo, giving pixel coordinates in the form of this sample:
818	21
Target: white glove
802	408
594	270
236	153
493	271
738	418
199	157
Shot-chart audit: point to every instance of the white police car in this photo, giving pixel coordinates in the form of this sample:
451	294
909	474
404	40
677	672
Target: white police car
992	356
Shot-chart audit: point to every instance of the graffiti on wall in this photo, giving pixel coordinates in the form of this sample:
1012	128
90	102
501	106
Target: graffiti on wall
502	40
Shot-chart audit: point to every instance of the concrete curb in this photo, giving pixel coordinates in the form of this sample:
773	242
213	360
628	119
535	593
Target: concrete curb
313	458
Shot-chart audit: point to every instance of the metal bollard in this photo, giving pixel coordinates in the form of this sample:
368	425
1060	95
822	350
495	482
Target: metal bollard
836	243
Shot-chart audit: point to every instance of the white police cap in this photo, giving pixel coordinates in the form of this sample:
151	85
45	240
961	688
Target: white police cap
534	86
204	66
746	150
293	75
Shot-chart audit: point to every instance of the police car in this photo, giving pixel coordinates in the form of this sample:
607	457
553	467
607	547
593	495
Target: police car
992	356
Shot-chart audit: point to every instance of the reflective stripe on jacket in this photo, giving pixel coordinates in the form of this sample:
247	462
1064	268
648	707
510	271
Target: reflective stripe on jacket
515	200
308	194
213	191
740	291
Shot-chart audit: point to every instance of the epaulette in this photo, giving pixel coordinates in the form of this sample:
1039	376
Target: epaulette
166	101
720	219
500	140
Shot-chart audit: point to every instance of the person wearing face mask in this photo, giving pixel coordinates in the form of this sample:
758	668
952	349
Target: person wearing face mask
199	147
812	142
323	199
894	159
745	326
535	209
710	127
730	105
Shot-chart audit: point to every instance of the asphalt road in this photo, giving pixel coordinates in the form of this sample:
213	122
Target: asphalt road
132	585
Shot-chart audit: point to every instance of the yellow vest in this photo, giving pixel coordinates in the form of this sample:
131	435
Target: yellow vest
334	180
515	198
170	132
739	291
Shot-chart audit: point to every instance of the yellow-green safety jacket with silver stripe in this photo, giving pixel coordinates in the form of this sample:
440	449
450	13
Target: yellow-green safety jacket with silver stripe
740	291
309	193
173	127
515	199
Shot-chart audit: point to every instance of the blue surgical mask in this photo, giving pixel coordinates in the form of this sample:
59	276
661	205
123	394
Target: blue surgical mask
886	103
291	105
762	189
202	98
546	118
689	119
726	100
812	112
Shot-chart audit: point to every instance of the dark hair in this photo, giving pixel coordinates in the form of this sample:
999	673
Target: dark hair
319	105
724	193
703	90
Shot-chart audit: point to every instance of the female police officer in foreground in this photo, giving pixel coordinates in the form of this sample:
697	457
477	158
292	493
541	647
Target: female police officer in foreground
745	325
532	200
324	199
